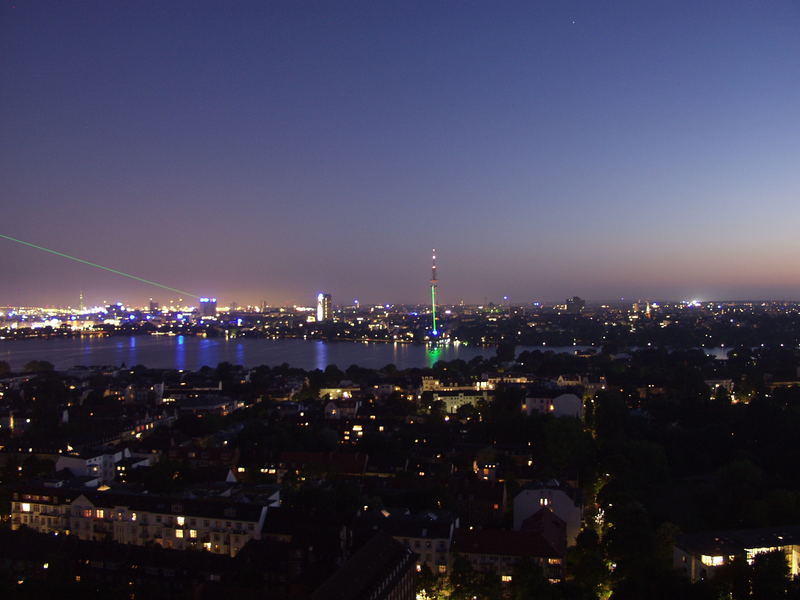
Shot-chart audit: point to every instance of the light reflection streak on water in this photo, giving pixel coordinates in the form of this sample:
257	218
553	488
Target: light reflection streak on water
180	353
434	354
320	355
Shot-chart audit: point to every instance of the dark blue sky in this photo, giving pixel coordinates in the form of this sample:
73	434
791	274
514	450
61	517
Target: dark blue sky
267	150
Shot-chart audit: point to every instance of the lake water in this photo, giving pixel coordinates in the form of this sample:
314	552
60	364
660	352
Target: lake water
188	352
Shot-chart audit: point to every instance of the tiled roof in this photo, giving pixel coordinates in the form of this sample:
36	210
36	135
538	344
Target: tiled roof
212	508
381	561
503	543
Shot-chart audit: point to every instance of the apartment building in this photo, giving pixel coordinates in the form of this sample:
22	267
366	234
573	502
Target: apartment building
218	525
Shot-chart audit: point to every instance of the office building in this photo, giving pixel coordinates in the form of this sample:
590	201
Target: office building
208	307
324	307
575	305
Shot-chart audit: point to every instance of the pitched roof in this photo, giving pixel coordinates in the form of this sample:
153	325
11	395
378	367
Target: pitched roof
212	508
503	543
427	525
381	561
549	526
343	462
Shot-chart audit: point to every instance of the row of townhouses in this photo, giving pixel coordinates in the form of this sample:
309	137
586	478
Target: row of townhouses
218	525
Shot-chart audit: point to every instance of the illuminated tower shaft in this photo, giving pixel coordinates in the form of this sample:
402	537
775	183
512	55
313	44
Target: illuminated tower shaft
434	283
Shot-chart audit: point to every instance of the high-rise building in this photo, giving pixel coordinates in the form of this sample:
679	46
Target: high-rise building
153	306
324	307
575	305
208	307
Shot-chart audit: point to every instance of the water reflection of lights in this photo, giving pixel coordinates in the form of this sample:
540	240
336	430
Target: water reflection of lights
434	354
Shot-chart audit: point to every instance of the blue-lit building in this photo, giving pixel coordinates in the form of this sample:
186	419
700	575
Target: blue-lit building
208	307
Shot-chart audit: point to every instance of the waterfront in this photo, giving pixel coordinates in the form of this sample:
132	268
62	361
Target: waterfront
189	352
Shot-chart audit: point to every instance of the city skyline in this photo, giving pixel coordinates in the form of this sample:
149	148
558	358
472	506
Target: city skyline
185	298
267	151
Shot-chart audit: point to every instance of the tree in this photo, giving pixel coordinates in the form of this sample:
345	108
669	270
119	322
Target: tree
5	368
464	579
528	581
333	375
567	447
431	586
770	575
505	352
733	580
38	366
466	411
438	409
610	415
586	564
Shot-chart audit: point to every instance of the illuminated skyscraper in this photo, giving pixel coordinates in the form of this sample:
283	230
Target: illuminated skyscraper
208	307
324	312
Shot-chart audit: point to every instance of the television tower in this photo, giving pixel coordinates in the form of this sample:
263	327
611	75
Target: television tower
434	284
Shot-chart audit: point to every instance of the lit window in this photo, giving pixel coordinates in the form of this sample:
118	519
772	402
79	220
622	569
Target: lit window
544	501
101	513
26	507
193	533
133	516
180	521
711	561
442	569
179	533
505	578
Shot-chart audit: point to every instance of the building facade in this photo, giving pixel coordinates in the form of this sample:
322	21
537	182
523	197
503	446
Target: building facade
555	497
700	555
324	307
208	307
216	525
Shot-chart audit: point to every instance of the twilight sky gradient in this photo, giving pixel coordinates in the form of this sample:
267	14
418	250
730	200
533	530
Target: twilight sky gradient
268	150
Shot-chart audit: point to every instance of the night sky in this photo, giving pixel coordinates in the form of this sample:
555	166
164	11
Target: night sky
269	150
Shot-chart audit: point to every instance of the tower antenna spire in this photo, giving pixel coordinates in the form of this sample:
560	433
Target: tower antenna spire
434	284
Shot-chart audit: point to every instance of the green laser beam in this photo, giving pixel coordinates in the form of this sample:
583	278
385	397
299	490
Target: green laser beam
91	264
